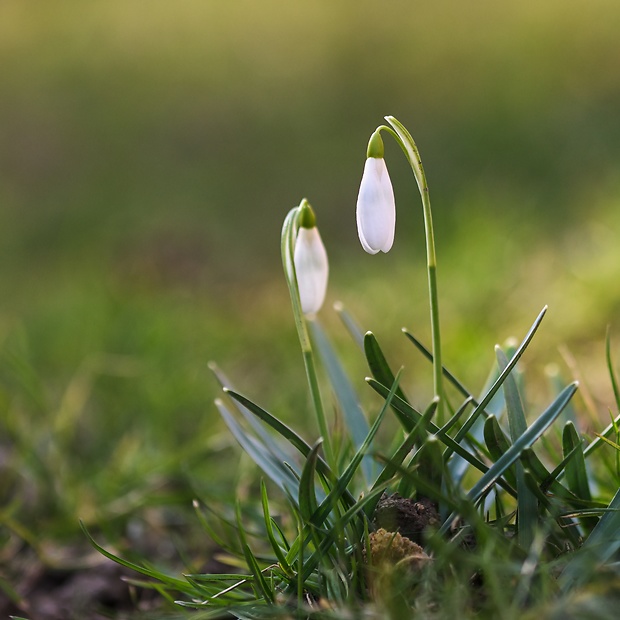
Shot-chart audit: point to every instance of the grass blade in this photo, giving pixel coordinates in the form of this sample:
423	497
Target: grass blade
307	494
600	546
349	472
382	372
395	461
600	439
414	416
497	444
273	446
272	467
350	323
611	370
576	473
527	504
275	545
178	585
497	470
259	580
430	463
354	417
429	356
336	531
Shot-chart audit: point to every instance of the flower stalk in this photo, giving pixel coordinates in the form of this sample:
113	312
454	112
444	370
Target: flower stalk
408	145
299	218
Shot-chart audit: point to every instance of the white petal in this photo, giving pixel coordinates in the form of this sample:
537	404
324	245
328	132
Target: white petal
376	209
312	269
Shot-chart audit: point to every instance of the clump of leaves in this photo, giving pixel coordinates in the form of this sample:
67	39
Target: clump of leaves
476	507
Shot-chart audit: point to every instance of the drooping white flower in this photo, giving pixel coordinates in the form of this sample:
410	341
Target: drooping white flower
311	265
376	210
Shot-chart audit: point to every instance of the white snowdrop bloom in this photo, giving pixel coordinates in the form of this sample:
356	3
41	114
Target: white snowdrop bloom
376	210
312	269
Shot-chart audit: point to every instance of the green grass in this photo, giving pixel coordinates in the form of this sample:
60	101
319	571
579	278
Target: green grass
525	509
129	138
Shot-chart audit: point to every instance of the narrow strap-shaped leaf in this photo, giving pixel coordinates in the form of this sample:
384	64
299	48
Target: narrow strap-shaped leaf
405	487
576	474
382	372
336	531
354	417
273	446
528	570
259	580
481	405
285	431
546	480
215	577
472	430
275	545
514	405
207	590
611	443
600	546
350	323
396	460
210	530
457	415
349	472
568	525
410	416
414	416
429	356
486	399
177	584
275	469
600	439
293	438
527	504
611	370
537	428
430	463
557	384
497	444
491	404
307	494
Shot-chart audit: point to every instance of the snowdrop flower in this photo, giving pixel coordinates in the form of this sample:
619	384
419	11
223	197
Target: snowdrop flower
310	260
376	210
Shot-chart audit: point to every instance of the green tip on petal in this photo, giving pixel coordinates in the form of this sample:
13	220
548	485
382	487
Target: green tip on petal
307	218
375	146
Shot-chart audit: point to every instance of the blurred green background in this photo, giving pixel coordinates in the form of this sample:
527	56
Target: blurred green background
149	152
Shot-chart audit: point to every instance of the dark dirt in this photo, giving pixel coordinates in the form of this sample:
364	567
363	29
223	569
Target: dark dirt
87	594
409	517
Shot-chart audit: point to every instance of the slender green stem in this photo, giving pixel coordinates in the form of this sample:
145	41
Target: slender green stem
406	142
315	395
289	236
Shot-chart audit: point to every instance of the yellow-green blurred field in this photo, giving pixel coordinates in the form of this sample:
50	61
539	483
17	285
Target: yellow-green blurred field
149	152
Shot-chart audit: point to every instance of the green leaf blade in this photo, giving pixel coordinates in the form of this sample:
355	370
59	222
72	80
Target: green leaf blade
527	503
576	473
498	469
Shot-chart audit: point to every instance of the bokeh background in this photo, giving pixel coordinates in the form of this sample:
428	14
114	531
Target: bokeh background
149	153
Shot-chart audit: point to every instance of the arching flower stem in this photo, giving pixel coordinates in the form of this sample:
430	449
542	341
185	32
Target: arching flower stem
408	145
290	230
